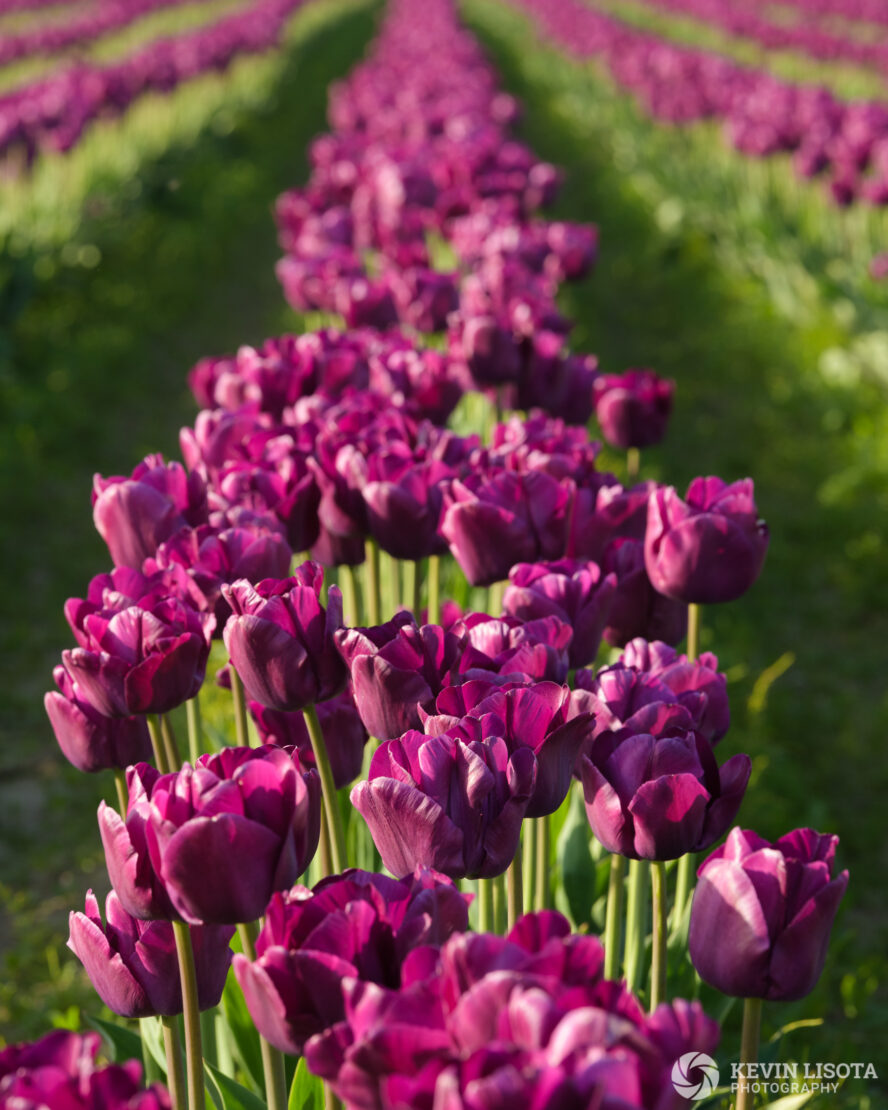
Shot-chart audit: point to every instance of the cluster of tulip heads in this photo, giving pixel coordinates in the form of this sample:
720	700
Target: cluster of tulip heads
483	722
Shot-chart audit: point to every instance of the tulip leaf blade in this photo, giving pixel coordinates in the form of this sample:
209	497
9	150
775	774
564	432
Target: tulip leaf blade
228	1094
241	1033
576	866
791	1102
123	1042
306	1091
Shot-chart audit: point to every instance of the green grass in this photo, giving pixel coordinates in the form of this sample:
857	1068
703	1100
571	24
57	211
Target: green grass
751	399
171	262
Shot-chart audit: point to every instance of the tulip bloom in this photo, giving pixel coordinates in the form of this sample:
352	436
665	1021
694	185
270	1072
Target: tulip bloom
708	548
636	609
358	926
633	409
280	639
135	515
398	668
436	801
659	798
133	964
762	914
492	522
59	1072
509	646
712	716
141	660
541	716
89	740
224	835
575	592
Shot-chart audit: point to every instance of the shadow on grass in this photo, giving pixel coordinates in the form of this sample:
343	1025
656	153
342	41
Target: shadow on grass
749	402
93	378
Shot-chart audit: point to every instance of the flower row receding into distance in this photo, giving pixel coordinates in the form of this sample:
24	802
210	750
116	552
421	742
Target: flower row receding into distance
335	443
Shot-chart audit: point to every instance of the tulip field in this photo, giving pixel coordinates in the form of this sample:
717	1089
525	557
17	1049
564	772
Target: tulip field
444	467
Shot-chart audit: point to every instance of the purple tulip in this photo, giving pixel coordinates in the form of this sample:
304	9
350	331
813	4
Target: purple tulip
211	558
606	511
396	669
574	592
402	493
133	964
141	660
59	1072
280	639
494	1022
134	515
636	607
125	841
541	716
633	409
358	926
124	587
493	522
709	548
89	740
224	835
658	798
762	914
342	728
435	801
509	646
712	717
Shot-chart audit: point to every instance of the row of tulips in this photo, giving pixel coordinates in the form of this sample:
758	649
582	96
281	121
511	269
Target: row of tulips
51	113
762	115
334	442
83	27
827	44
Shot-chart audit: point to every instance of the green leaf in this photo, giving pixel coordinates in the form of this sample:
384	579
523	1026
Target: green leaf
227	1094
123	1043
307	1091
790	1102
576	866
243	1038
152	1037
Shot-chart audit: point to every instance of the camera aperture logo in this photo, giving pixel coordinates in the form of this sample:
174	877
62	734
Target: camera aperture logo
695	1075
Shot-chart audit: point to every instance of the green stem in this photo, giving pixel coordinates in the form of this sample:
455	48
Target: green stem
371	591
160	756
693	631
208	1036
529	837
412	588
541	895
122	792
195	740
684	881
614	916
633	463
434	591
658	950
485	905
325	858
169	743
328	789
499	904
349	595
749	1043
393	580
635	922
172	1046
191	1015
495	598
238	698
514	891
331	1102
272	1058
